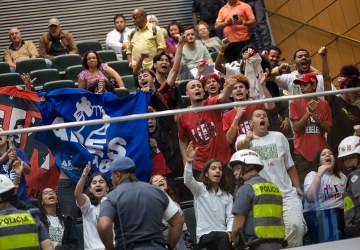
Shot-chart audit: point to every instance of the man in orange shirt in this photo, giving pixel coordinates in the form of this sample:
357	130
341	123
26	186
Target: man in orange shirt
234	18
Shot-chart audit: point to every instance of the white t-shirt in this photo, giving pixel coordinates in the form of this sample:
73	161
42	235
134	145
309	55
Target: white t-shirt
286	81
90	216
56	230
274	151
330	193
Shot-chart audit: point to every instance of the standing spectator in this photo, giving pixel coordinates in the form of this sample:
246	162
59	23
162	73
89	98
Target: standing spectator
212	202
134	210
207	11
145	37
213	44
344	113
204	128
324	192
19	49
279	168
56	42
349	153
311	118
14	164
234	19
28	232
89	205
260	34
194	51
258	205
174	31
61	227
117	38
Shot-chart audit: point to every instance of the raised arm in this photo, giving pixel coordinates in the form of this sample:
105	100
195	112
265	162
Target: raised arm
262	78
177	62
325	68
228	88
79	196
218	63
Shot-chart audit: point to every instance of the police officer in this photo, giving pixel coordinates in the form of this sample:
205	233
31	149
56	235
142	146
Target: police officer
258	210
349	152
18	229
136	208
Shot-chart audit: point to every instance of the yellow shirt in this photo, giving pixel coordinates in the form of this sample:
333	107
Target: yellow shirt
144	39
26	51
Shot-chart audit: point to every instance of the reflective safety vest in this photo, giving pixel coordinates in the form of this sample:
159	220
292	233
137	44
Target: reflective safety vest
18	231
267	210
350	202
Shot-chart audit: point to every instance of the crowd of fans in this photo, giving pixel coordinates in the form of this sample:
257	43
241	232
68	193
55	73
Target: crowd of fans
310	176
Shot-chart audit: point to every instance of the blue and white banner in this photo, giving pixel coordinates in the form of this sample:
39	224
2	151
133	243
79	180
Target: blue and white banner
99	144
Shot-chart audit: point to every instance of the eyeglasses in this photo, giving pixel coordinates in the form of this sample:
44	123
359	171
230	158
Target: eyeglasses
48	192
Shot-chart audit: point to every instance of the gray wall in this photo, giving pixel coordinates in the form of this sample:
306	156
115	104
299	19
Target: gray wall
86	19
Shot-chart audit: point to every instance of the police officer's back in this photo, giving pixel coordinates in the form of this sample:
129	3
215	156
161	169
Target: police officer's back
136	209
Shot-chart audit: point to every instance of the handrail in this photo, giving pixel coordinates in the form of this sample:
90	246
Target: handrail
172	112
337	35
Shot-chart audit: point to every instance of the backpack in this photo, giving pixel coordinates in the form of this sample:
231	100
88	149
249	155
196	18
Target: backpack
154	30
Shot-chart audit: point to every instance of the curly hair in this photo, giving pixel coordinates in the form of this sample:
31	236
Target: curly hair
239	78
43	211
84	60
224	183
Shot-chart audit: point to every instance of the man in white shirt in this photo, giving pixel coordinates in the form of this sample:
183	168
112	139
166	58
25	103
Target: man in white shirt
117	38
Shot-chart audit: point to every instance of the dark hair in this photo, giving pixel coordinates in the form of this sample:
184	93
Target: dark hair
224	183
258	108
190	28
89	194
316	163
142	71
141	11
119	15
350	70
180	27
157	57
265	63
43	212
354	83
274	48
84	60
169	190
298	50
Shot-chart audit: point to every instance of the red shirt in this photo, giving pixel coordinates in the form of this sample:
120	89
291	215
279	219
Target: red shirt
158	162
206	132
311	139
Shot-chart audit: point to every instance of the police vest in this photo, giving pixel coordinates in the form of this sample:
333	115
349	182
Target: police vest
350	202
267	210
18	231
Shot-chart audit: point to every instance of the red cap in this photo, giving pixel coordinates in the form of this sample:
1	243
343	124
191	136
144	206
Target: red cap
308	77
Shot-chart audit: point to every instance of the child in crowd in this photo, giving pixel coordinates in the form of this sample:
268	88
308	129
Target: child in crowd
61	227
212	202
89	205
185	241
324	191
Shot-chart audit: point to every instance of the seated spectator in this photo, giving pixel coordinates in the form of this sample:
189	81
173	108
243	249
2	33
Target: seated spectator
89	205
212	202
96	74
174	30
324	190
56	42
61	227
19	49
14	165
212	44
117	38
311	118
194	51
345	114
185	241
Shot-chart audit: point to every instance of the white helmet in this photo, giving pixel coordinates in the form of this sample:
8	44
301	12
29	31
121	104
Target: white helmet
246	156
5	184
350	145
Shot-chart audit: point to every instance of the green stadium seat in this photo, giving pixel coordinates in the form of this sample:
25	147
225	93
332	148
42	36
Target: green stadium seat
4	68
73	71
86	45
129	83
59	84
44	75
122	67
26	66
62	62
10	79
121	92
107	56
182	86
80	235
